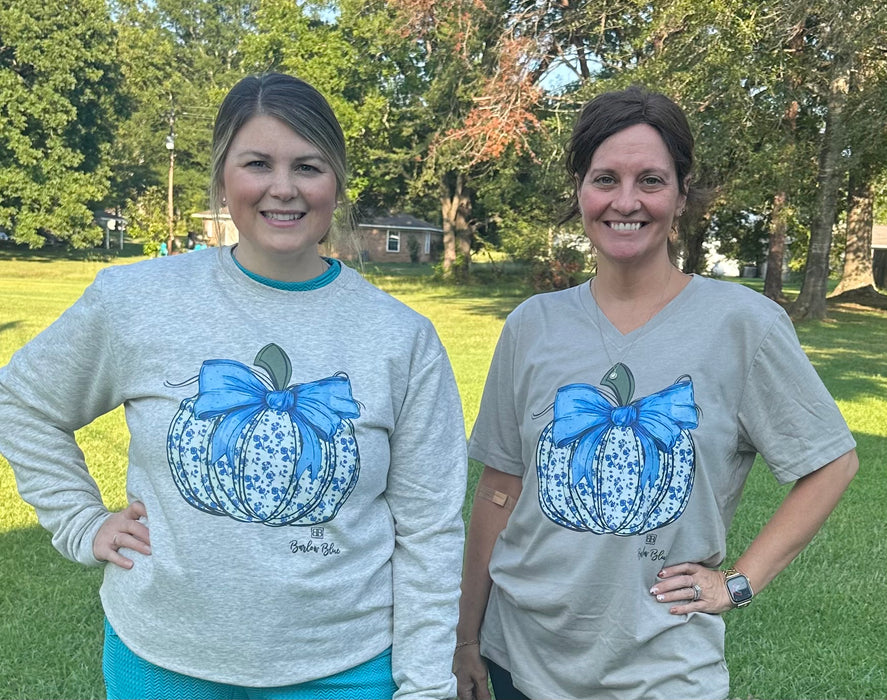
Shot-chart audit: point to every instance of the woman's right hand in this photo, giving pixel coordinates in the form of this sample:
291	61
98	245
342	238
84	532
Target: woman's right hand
122	529
471	673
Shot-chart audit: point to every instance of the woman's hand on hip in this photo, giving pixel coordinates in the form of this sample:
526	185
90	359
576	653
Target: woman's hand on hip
471	673
122	529
690	587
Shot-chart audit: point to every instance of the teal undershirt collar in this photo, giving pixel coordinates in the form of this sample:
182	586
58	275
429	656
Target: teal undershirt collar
322	280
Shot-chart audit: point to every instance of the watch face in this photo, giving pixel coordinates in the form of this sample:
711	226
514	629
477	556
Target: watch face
739	589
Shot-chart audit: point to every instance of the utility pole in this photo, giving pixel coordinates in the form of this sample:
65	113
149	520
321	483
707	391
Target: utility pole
171	147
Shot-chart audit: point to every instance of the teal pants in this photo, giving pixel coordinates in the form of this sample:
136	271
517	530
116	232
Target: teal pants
128	677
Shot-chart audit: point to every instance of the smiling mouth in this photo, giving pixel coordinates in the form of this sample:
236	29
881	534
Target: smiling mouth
283	216
625	225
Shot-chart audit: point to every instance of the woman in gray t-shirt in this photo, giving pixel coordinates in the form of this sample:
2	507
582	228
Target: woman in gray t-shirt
618	424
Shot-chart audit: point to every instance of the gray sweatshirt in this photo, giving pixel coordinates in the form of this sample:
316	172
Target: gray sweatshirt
301	456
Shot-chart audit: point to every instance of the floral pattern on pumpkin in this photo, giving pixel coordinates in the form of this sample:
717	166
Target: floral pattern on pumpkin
610	465
255	448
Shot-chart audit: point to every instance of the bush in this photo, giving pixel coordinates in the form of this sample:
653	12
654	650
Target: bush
151	248
566	268
413	248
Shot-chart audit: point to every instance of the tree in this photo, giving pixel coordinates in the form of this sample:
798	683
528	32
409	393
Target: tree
848	39
60	102
481	65
344	51
811	300
868	165
857	272
449	43
179	58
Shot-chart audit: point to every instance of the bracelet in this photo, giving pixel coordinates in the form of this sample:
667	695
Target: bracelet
459	645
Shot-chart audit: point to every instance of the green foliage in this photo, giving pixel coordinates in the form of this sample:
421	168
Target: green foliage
147	216
151	249
344	55
523	240
449	109
459	272
565	267
523	195
740	235
799	639
880	192
59	104
179	58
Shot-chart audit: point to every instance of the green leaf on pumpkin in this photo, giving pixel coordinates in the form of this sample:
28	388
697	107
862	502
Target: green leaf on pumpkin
275	362
620	379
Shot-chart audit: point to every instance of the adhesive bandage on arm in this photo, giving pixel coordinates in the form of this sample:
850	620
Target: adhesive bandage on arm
501	499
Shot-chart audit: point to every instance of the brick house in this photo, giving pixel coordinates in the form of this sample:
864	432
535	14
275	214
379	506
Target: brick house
379	239
398	238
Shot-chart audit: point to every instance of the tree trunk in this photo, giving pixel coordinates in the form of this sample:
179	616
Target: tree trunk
860	219
449	235
455	205
776	253
778	216
694	259
810	303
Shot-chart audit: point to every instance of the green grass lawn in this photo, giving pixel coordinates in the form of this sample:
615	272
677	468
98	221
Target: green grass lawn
816	632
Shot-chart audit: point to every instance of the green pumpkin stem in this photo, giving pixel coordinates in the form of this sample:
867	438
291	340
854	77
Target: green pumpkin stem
620	379
274	361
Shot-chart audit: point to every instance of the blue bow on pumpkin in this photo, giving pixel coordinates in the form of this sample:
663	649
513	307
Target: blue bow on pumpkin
584	413
231	389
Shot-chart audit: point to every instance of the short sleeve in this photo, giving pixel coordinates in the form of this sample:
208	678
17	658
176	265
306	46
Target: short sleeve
786	412
495	439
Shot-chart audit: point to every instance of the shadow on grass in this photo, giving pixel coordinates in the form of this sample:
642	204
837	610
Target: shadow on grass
50	621
52	253
483	302
845	349
816	632
485	294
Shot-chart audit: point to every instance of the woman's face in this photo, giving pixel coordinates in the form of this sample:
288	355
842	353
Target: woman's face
281	194
629	196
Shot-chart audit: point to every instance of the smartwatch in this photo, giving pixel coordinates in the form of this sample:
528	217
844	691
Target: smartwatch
738	588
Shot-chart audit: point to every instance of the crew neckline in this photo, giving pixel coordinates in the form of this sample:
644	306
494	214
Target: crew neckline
322	280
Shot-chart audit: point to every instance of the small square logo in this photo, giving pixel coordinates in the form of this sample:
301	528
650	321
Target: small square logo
317	533
651	539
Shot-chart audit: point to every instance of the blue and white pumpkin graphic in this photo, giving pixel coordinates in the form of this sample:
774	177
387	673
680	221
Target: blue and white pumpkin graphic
252	447
610	465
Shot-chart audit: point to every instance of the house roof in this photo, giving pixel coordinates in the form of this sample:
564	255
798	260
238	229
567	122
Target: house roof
223	214
101	216
879	236
403	222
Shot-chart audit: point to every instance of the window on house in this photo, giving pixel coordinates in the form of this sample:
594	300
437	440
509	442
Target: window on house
427	244
393	242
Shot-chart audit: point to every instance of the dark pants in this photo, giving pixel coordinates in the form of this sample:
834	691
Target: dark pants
503	688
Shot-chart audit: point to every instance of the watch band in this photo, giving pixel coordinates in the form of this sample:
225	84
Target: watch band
738	588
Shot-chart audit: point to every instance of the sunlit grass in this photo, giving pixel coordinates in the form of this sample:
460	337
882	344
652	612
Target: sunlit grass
816	632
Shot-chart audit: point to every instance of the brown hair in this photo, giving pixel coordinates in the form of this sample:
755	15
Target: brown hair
611	112
297	104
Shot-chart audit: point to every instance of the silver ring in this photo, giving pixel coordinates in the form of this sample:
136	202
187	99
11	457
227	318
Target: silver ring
697	592
114	541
